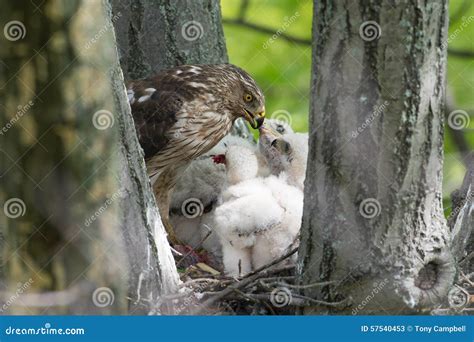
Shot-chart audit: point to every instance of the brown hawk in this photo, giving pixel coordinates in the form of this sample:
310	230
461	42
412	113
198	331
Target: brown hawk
182	112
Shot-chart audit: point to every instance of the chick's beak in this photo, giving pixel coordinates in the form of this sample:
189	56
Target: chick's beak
267	131
255	120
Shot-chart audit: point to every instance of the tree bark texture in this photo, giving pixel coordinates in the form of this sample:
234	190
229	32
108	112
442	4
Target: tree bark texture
373	219
155	35
74	189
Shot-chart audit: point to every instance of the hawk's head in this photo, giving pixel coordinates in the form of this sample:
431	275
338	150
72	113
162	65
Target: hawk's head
225	88
245	97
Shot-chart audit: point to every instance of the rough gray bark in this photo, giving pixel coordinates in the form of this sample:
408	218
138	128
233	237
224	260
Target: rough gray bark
373	219
80	224
152	269
155	35
461	220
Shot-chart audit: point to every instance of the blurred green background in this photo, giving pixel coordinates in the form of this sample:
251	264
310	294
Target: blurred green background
282	68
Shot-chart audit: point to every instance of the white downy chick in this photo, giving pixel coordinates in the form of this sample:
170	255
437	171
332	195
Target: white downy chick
258	218
195	196
286	155
279	126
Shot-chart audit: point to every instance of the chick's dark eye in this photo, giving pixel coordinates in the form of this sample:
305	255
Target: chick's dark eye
248	97
280	129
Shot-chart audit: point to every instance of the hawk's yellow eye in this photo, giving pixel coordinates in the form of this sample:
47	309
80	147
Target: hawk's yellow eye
248	97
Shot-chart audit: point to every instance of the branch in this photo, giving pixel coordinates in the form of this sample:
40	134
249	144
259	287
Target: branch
240	21
460	53
265	29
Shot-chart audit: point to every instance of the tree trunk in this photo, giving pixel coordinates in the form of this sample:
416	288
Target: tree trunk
155	35
461	220
79	217
373	220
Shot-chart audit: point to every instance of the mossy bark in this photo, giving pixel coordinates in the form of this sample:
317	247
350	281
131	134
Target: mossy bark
373	218
70	162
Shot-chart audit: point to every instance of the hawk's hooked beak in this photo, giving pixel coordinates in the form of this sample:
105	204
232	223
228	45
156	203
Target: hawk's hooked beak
255	120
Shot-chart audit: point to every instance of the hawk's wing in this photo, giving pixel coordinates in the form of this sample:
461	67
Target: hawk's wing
154	112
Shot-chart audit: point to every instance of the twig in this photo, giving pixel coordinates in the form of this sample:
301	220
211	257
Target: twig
200	280
197	247
296	300
248	279
323	283
466	259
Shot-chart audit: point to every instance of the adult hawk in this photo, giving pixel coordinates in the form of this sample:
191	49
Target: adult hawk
182	112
